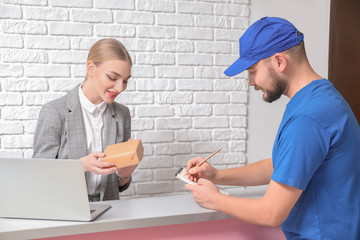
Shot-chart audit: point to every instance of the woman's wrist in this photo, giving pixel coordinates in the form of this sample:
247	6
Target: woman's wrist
121	177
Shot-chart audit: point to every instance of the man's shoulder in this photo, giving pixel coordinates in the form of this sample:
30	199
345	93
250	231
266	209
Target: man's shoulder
318	100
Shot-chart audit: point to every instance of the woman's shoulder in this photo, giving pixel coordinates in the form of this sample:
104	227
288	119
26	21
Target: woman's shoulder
54	109
61	104
121	111
120	107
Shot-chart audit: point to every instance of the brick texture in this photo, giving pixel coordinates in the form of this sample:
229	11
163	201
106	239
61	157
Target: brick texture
182	104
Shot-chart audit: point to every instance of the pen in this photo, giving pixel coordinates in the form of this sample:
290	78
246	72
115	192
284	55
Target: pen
201	163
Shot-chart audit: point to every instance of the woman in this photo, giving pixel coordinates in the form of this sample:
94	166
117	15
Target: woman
82	123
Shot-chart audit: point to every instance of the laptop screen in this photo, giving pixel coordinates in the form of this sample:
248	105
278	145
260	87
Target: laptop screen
43	188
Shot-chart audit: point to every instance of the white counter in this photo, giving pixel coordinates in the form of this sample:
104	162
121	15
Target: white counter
124	214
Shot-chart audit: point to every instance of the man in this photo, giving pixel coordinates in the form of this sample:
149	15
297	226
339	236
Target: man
314	172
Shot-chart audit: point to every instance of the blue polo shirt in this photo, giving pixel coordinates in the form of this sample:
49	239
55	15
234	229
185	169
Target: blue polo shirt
317	150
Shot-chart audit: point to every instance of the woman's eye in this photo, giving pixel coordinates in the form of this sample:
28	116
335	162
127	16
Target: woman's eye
112	79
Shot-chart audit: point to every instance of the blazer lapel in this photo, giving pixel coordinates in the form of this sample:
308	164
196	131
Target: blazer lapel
110	126
75	126
109	139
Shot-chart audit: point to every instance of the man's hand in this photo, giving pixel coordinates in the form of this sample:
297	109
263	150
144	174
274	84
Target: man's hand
204	171
205	193
91	164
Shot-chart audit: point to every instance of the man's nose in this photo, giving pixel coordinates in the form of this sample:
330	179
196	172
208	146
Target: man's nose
251	81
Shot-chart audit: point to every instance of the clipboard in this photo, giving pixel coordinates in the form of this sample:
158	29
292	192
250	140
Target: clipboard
182	176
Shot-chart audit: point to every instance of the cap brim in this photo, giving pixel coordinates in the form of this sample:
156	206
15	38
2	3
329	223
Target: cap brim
239	66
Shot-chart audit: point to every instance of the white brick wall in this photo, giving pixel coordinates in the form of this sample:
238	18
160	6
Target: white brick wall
182	104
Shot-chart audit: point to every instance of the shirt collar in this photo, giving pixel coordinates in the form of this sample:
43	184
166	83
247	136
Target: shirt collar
88	105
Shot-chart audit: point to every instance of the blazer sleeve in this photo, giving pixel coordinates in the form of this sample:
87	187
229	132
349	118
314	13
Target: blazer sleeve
47	138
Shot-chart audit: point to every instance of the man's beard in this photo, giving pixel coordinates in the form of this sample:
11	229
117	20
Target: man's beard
279	88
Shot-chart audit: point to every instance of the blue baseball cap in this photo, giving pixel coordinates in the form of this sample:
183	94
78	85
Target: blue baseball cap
264	38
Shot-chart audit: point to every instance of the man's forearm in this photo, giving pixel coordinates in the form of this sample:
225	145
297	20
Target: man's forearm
270	210
258	173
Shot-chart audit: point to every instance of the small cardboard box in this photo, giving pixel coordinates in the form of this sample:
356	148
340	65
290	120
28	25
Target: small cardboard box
124	154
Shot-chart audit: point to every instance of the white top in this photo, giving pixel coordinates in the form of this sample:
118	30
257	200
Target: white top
94	117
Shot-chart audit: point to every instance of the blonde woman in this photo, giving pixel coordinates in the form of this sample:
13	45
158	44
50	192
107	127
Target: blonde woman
82	123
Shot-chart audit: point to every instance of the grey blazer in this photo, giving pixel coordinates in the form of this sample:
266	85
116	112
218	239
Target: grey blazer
60	133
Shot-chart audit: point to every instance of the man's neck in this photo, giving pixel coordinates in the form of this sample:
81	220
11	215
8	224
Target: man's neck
300	78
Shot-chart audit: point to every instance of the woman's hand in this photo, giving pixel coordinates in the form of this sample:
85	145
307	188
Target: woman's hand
92	164
125	172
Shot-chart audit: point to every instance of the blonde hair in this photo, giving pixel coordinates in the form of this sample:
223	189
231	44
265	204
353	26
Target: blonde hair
108	49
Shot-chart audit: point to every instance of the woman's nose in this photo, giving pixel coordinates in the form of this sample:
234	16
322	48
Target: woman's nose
120	86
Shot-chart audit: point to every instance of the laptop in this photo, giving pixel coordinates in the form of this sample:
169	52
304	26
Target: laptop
45	189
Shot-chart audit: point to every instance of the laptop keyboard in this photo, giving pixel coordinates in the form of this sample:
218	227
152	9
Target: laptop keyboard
92	210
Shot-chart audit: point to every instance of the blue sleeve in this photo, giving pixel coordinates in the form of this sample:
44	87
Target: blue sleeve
301	148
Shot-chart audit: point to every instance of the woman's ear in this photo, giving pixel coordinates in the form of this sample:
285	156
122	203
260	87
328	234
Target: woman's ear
280	62
90	67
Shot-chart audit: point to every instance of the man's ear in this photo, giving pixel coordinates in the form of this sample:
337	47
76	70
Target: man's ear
280	62
90	67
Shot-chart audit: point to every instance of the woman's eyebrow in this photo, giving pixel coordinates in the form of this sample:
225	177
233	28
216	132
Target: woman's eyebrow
117	74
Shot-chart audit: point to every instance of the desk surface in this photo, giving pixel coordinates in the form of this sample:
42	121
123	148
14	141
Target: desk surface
124	214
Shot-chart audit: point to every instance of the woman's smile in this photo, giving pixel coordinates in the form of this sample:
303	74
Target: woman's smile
112	94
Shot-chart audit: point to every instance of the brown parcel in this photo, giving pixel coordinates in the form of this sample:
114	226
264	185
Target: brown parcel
124	154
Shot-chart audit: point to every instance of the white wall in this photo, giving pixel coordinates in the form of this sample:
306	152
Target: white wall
182	104
312	18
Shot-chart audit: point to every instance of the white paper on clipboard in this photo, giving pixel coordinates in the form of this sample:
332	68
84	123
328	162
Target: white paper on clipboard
181	174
